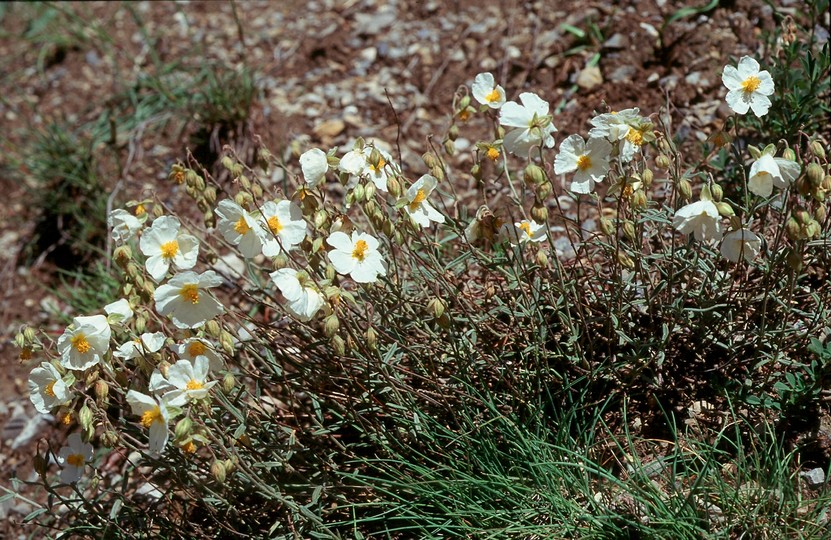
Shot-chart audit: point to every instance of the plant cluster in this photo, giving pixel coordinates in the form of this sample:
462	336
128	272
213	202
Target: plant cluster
362	353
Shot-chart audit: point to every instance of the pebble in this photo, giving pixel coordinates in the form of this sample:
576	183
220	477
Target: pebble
329	128
589	77
815	477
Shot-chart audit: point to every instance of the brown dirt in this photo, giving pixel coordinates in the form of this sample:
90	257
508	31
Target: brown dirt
346	54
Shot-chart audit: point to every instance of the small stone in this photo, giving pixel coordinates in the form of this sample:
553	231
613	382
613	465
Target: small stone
622	73
329	128
814	477
589	77
617	41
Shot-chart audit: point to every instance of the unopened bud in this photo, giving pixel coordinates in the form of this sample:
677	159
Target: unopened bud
158	211
331	273
320	219
789	154
815	174
218	471
20	340
228	383
213	329
544	190
85	417
820	213
629	230
607	226
358	192
393	186
430	160
338	345
725	209
802	216
662	161
183	428
464	102
684	189
109	438
102	391
227	162
436	307
716	192
625	260
449	147
647	177
639	199
476	172
793	229
817	149
331	324
141	323
369	191
371	339
663	145
813	229
226	340
539	213
236	170
29	334
388	228
40	464
534	174
437	172
542	259
256	191
453	132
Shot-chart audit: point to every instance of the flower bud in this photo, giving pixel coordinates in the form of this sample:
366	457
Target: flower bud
218	471
436	307
236	170
724	209
393	186
158	211
453	132
815	174
813	229
464	102
109	438
85	417
358	193
183	428
320	219
476	172
662	161
629	230
388	228
639	199
102	391
444	321
789	154
213	329
338	345
647	177
625	260
716	192
141	323
331	324
371	339
228	383
607	226
369	191
820	213
331	273
684	189
40	465
430	160
663	145
793	229
534	174
437	172
802	216
449	147
705	194
817	149
539	213
226	340
227	162
256	191
542	259
544	190
20	340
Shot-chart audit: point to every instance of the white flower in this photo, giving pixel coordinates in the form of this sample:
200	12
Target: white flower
315	165
119	312
419	208
186	300
359	164
154	415
158	384
147	344
532	121
190	348
590	161
74	458
239	228
85	342
47	389
748	87
741	243
282	227
487	92
769	171
523	231
357	257
302	301
164	245
124	225
627	126
189	380
700	218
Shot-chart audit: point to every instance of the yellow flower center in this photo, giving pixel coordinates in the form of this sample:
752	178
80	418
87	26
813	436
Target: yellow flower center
274	225
493	153
584	162
464	115
151	415
635	136
417	200
197	348
360	250
241	226
170	249
80	343
189	447
140	210
751	83
193	384
66	419
76	460
179	177
190	292
50	389
25	354
492	96
526	227
381	164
